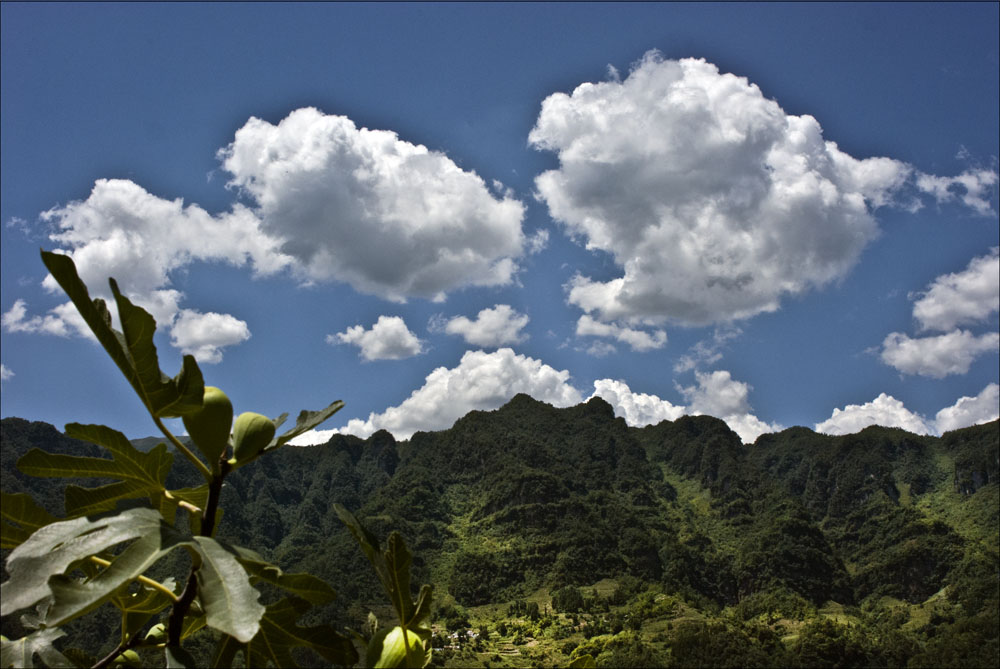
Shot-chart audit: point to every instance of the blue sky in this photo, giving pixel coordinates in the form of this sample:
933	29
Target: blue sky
776	214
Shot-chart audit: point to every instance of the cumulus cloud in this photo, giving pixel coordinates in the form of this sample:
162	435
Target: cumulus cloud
204	335
17	320
967	411
388	339
638	340
5	373
974	188
962	298
887	411
492	328
638	409
125	232
712	200
884	410
718	394
939	356
481	381
362	206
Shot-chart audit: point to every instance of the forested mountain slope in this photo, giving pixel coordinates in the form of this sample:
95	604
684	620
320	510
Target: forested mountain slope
532	497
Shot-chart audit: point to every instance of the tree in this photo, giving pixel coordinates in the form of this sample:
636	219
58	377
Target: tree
115	535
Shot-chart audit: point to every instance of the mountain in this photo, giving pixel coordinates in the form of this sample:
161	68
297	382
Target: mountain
530	498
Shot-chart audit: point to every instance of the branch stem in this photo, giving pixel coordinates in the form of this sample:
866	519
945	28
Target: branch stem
205	471
145	580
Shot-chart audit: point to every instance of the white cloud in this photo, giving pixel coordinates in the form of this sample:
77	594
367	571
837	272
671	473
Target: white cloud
492	328
538	241
884	410
388	339
15	320
939	356
481	381
967	411
123	231
718	394
5	373
965	297
638	409
204	335
714	202
362	206
707	351
638	340
973	188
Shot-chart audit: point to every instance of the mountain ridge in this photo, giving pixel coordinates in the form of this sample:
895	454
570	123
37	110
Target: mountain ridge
532	496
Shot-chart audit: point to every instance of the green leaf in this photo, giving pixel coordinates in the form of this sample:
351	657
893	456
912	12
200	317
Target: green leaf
393	569
198	496
310	588
150	468
141	474
229	601
21	517
279	633
137	608
73	598
21	652
91	501
132	349
306	421
54	548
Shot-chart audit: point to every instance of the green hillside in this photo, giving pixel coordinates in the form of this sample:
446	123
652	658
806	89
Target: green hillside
552	533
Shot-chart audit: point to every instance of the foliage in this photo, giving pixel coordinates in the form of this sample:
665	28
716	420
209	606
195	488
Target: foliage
118	536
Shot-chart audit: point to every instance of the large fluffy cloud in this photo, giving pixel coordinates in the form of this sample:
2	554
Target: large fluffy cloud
387	339
887	411
713	201
481	381
362	206
967	411
884	410
493	327
962	298
938	356
638	409
718	394
125	232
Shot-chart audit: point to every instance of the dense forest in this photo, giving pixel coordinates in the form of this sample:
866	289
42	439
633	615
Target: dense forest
549	534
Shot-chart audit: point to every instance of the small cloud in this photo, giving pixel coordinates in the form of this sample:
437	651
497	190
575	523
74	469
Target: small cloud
707	351
388	339
937	357
204	335
493	327
638	340
538	241
16	320
5	373
961	298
